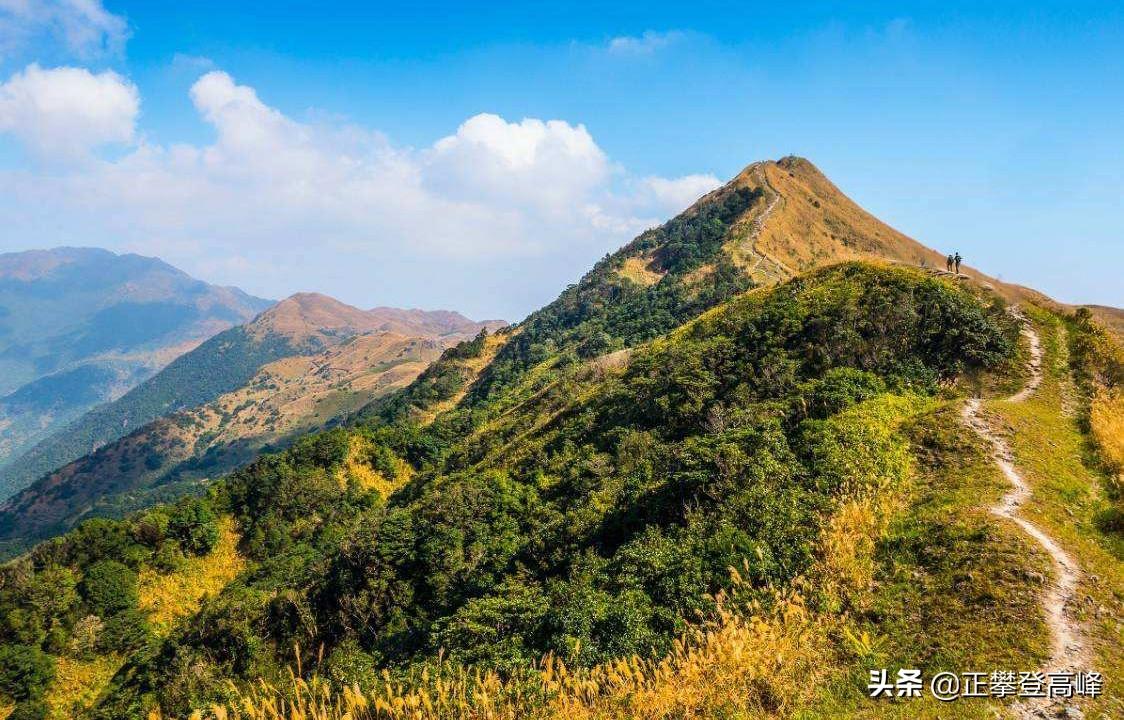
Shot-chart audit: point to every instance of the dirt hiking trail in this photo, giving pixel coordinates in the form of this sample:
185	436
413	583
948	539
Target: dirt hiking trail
1068	652
771	269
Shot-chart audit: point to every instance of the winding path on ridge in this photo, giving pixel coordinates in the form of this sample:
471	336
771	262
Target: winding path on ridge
770	268
1068	651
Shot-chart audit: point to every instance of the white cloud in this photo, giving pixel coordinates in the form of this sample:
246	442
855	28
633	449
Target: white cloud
646	44
273	192
64	112
680	192
552	166
83	27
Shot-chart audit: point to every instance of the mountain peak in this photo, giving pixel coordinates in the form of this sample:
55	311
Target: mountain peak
29	265
314	305
805	221
307	314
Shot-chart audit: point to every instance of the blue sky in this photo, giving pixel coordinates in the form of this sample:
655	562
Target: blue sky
481	156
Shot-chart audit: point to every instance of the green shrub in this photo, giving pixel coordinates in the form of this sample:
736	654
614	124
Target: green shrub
30	710
25	672
126	631
348	665
110	587
168	557
194	525
151	527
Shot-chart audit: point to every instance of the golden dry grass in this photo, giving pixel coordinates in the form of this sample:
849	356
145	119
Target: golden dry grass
847	548
639	270
178	594
77	685
1106	420
355	470
740	664
816	224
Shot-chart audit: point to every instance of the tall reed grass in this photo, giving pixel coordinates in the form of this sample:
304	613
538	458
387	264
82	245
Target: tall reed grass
741	663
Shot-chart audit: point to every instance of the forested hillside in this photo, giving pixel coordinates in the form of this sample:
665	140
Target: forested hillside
592	521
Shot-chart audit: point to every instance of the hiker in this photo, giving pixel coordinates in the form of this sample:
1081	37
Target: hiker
948	263
956	259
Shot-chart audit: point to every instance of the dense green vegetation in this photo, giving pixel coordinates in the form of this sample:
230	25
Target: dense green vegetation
603	311
77	595
591	518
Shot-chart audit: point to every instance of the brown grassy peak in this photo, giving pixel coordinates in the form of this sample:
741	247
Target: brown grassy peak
308	314
813	223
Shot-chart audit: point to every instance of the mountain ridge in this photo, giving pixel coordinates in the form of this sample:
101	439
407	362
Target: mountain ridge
303	363
302	314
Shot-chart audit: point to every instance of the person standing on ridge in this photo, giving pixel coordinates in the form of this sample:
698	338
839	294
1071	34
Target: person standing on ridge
948	263
956	259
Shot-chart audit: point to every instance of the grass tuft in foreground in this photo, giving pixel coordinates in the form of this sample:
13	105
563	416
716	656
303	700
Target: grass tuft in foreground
741	663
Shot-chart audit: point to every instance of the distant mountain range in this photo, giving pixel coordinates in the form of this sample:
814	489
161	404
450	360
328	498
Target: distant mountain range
82	326
306	362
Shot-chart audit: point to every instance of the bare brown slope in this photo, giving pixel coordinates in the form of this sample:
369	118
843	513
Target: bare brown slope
437	323
305	316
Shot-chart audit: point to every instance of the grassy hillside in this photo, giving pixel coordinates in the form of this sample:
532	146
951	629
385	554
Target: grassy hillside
909	570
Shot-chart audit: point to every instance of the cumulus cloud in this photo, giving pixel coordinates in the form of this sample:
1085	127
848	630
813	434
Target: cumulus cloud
552	166
64	112
271	191
82	27
647	43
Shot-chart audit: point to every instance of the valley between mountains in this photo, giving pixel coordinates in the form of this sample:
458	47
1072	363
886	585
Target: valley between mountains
760	452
